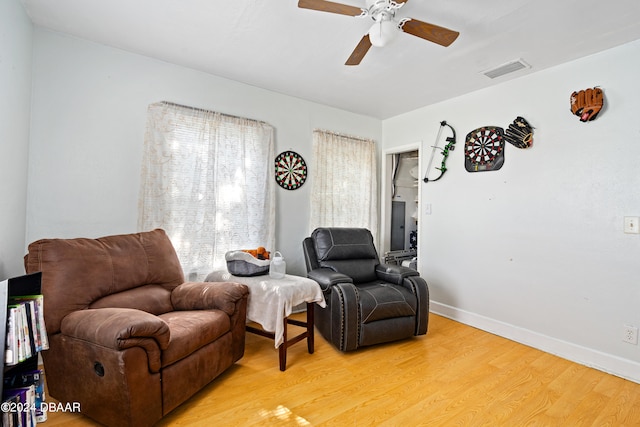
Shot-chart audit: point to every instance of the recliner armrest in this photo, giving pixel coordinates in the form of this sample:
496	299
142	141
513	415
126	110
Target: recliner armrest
209	295
112	327
326	277
119	329
394	273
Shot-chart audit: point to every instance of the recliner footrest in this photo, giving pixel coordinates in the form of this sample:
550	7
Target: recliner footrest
383	301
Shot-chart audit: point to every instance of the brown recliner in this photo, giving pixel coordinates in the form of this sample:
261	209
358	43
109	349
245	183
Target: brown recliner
129	340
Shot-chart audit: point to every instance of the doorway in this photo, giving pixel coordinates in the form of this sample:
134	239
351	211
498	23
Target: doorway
400	203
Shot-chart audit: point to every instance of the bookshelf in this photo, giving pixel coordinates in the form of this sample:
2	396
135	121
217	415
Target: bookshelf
29	284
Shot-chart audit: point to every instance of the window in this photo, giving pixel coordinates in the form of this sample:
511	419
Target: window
343	182
207	180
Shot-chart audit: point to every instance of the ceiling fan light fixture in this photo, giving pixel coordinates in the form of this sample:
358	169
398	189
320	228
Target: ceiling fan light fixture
383	32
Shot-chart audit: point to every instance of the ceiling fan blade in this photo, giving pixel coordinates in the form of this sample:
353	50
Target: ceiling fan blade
331	7
360	51
433	33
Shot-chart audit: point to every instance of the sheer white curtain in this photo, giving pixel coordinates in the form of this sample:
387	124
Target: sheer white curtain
344	190
207	179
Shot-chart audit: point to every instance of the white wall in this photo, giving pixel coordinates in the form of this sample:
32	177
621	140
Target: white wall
15	95
536	250
89	114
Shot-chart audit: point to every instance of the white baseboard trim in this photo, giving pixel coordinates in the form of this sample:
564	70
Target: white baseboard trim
608	363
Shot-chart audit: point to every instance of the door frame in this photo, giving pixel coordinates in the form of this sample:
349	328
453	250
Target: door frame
385	203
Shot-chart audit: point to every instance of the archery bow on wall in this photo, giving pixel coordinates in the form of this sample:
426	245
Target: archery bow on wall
450	146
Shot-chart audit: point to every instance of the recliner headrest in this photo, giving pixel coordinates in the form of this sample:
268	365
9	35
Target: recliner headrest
343	243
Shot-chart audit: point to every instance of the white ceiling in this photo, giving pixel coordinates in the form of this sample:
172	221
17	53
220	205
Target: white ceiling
275	45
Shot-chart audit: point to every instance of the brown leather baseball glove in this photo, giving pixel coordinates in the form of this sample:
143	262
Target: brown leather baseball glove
587	103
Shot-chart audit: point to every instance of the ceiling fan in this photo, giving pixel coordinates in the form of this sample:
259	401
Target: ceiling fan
385	28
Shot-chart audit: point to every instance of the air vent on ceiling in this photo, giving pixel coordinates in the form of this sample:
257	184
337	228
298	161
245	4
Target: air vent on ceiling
507	68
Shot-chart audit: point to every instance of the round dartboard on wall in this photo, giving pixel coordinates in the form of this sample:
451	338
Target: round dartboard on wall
484	149
291	170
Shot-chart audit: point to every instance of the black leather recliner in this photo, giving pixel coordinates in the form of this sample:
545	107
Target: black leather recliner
367	302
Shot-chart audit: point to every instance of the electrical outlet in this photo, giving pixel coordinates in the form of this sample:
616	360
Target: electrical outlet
630	334
631	225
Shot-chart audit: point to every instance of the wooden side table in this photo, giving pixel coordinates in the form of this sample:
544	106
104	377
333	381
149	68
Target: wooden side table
271	302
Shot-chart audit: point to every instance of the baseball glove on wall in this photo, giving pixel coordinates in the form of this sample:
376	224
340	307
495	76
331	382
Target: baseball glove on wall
519	133
587	103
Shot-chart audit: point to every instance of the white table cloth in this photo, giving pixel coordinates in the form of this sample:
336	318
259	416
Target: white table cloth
272	300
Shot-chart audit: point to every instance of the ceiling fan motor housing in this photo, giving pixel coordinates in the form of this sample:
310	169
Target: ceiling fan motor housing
382	10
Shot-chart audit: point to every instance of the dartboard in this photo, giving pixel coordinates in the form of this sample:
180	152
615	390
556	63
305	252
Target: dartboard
484	149
291	170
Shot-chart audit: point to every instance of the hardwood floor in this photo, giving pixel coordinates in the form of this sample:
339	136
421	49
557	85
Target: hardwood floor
454	376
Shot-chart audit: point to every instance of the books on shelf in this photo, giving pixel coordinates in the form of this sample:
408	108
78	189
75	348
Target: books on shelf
20	407
26	332
14	391
22	391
